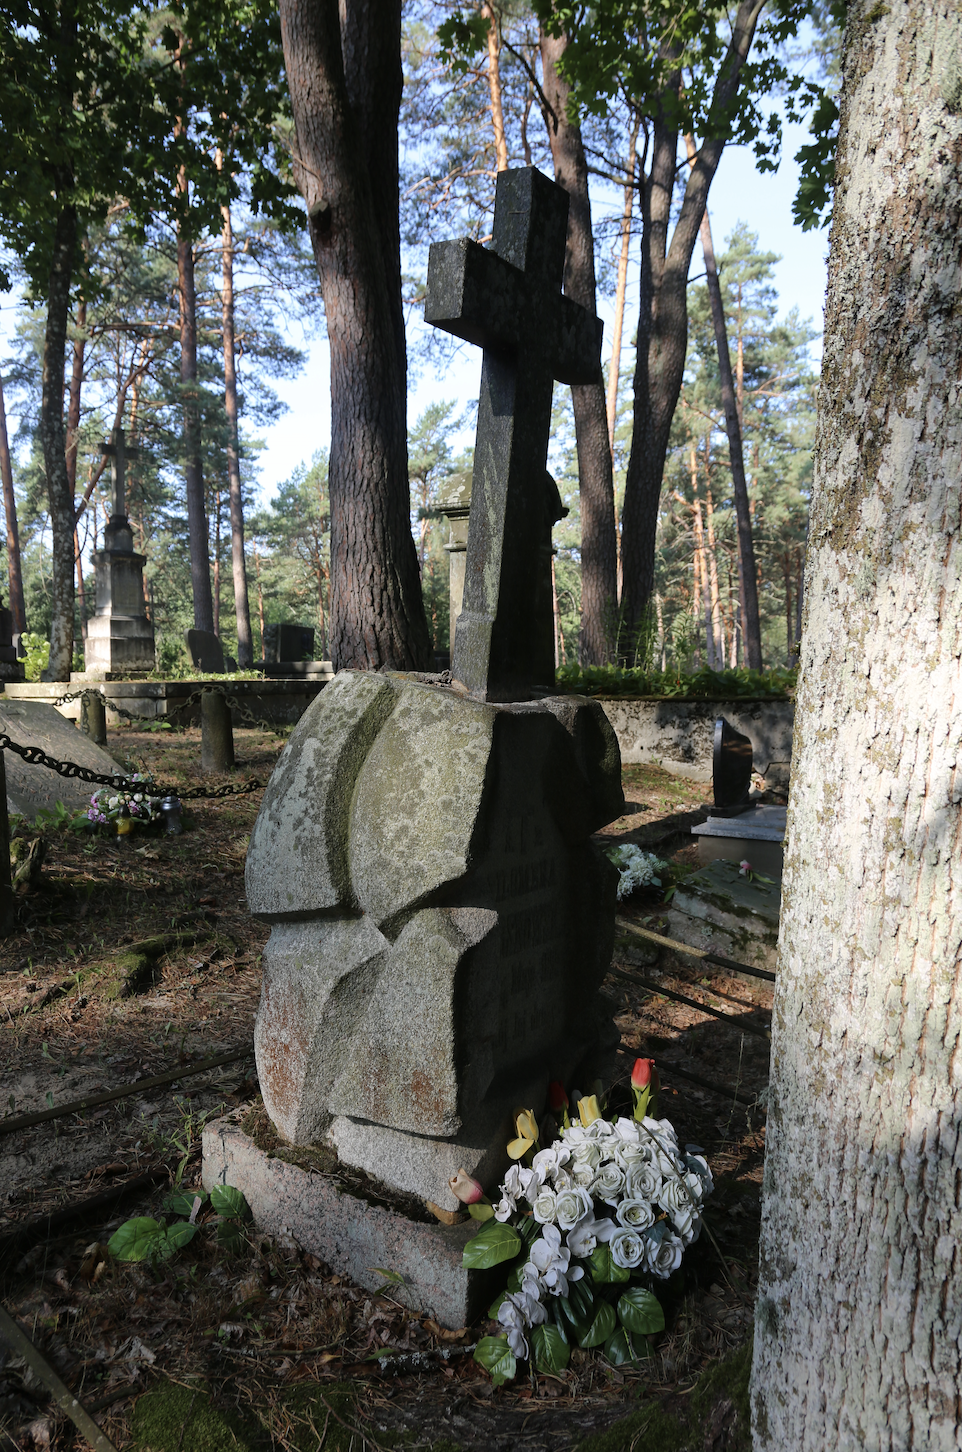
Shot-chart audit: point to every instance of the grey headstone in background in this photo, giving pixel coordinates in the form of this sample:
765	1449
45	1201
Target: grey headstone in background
441	922
207	653
30	788
508	300
288	642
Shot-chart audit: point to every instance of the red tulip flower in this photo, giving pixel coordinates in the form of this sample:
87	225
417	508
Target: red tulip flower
557	1098
641	1073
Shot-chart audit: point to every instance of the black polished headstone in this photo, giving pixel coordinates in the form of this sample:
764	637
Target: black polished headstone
731	771
508	299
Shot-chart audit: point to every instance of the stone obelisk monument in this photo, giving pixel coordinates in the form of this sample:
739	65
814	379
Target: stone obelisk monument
119	636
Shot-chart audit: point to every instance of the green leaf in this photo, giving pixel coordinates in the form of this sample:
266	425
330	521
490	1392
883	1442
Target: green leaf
137	1239
181	1202
178	1236
619	1348
603	1270
481	1211
229	1235
227	1201
639	1311
492	1245
601	1327
575	1318
515	1276
497	1358
496	1305
395	1277
550	1350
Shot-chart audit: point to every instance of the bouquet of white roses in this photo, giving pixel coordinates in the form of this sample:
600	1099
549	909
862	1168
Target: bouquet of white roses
590	1222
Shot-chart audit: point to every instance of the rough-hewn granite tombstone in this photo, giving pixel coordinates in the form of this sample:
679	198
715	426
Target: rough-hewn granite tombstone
119	636
441	922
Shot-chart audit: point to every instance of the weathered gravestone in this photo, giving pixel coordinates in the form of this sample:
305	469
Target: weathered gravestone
32	788
119	637
441	922
207	653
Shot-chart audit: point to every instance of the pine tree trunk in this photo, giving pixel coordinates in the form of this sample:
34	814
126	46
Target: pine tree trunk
197	531
614	368
663	317
599	553
494	87
860	1298
245	649
345	92
14	570
73	433
53	444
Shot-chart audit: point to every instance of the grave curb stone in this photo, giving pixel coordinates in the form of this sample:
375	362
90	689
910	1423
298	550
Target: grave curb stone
352	1235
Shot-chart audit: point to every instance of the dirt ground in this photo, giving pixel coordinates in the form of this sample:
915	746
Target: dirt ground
268	1346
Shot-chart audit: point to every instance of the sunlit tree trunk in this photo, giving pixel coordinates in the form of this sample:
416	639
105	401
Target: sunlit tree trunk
245	650
14	570
857	1339
73	435
494	87
53	444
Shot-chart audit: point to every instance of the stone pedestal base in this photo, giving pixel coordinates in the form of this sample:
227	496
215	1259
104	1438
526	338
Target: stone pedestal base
117	643
724	912
352	1234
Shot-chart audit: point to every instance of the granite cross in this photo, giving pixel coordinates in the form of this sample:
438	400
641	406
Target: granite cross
118	453
508	300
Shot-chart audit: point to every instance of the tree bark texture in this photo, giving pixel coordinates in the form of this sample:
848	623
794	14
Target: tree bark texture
245	648
197	531
53	444
73	439
599	554
14	571
663	324
857	1341
345	82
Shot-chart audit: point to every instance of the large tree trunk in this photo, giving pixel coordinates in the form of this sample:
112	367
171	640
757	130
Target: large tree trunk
860	1295
73	440
53	444
345	91
245	648
14	571
599	554
663	319
197	530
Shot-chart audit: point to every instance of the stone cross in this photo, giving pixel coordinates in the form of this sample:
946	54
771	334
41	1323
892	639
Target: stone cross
508	300
118	453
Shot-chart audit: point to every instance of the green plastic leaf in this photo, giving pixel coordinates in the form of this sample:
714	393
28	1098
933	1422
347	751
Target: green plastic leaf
550	1350
575	1318
601	1327
481	1212
497	1358
602	1268
137	1239
181	1202
515	1276
227	1201
492	1245
639	1311
229	1235
619	1349
496	1305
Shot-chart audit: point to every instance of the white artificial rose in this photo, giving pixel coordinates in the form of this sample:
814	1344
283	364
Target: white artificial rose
543	1206
642	1182
662	1256
572	1206
635	1214
609	1183
627	1249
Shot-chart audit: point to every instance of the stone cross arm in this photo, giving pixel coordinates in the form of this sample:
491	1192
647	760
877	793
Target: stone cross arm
484	299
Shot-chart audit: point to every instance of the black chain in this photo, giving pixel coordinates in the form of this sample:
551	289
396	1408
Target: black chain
246	716
36	756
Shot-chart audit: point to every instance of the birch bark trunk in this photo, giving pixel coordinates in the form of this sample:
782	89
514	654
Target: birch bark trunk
860	1295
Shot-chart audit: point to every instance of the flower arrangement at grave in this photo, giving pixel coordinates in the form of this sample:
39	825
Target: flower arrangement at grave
636	868
123	810
586	1227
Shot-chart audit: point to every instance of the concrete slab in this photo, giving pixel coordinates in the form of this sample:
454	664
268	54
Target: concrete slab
717	908
757	835
355	1235
33	788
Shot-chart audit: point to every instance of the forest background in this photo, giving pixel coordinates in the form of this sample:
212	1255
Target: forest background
124	364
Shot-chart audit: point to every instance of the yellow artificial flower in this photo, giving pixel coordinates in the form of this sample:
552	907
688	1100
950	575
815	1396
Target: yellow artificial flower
526	1128
588	1110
